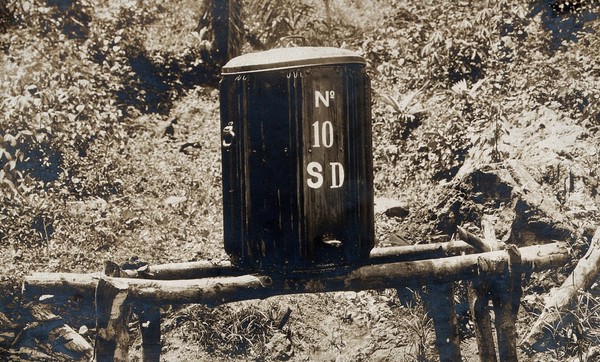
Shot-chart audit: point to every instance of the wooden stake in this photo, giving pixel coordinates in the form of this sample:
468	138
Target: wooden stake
112	310
506	297
472	239
478	295
489	234
478	304
150	330
440	305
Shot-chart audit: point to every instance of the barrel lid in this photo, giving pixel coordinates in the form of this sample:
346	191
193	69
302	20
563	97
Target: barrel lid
294	57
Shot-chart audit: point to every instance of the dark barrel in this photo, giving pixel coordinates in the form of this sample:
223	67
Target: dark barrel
297	160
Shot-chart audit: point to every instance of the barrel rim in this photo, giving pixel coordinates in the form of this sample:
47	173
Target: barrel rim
290	58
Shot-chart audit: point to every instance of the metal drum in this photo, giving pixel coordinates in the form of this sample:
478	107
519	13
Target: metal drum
297	160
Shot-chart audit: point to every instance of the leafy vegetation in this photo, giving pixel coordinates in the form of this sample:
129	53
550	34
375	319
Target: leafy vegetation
109	138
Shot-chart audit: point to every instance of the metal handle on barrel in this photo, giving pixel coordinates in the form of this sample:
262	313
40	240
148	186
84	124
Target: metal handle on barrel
228	135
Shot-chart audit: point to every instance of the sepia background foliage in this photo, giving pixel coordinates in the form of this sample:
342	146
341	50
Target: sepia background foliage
109	148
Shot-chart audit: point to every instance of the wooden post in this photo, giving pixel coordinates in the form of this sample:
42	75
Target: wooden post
440	305
150	330
112	310
478	290
227	26
478	304
506	297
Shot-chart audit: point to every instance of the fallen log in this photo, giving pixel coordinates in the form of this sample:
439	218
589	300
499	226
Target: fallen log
561	299
50	329
216	291
73	341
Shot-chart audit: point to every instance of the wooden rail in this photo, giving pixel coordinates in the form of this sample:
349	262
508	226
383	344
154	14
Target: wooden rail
69	284
115	295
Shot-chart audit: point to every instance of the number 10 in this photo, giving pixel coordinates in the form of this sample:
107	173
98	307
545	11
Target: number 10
326	134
